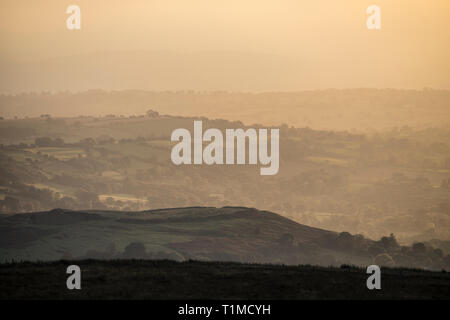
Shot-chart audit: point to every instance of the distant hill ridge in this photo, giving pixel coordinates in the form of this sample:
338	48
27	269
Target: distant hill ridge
332	109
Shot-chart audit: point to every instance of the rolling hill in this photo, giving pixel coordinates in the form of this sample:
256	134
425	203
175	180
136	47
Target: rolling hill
202	233
233	234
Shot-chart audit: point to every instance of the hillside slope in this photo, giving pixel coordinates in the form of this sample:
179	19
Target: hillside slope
203	233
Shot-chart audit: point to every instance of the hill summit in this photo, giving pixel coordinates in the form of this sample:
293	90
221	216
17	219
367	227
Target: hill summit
237	234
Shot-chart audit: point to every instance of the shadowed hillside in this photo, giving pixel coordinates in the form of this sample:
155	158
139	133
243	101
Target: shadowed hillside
202	233
230	233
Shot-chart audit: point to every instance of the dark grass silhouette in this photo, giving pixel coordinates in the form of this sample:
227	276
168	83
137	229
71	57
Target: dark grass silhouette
163	279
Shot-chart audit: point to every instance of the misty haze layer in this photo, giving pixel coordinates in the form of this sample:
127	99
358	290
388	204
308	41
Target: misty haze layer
224	45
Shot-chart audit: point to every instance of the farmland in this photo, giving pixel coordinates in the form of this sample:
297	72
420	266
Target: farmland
392	182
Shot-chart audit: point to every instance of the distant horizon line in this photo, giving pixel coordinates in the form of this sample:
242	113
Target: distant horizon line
196	91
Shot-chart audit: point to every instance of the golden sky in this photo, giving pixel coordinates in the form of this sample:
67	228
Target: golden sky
412	49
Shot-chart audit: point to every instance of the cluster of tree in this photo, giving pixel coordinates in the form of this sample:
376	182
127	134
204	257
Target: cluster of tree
388	252
134	250
49	142
285	250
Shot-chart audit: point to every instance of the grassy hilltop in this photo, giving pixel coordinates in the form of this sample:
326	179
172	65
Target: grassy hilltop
235	234
229	233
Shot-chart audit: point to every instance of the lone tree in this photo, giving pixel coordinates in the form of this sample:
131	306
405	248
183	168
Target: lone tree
152	113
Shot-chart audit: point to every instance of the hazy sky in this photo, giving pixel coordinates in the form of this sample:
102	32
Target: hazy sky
411	50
